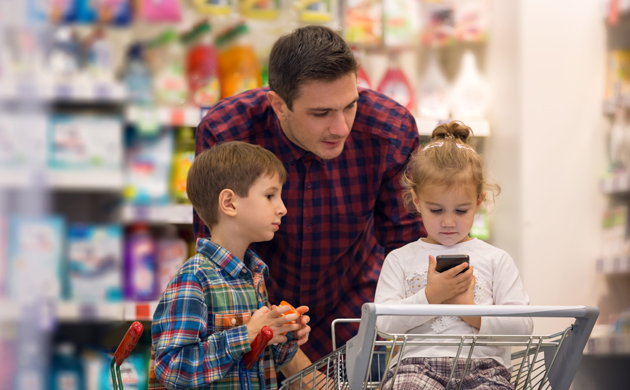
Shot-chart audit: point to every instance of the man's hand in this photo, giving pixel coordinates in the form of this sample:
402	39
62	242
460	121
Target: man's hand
442	286
304	330
301	361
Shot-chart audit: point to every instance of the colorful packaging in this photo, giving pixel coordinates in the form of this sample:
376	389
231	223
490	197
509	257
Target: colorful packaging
61	11
471	20
172	254
94	266
85	142
396	85
137	76
117	12
364	22
260	9
67	369
401	22
214	7
313	11
159	11
4	234
99	61
140	278
238	66
438	23
182	160
202	68
133	372
169	80
35	252
148	168
618	74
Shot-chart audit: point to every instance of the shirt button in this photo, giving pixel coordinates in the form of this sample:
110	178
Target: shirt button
233	321
308	263
308	185
308	226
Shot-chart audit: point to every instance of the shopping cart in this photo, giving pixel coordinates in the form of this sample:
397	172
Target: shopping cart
538	362
122	352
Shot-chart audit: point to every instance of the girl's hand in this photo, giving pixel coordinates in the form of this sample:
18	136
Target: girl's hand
271	318
445	285
465	298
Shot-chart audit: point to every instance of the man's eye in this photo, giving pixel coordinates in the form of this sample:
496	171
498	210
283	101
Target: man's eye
321	115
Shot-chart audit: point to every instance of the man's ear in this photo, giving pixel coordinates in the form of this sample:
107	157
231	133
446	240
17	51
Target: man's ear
226	203
278	105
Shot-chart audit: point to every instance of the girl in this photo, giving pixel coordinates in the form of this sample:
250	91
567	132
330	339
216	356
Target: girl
444	183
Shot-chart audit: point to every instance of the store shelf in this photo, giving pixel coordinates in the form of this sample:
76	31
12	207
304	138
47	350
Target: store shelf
76	90
169	116
170	213
100	180
609	106
613	265
615	344
480	127
618	183
124	311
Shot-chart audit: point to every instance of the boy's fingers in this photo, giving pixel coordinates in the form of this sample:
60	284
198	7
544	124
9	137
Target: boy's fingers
302	309
304	320
280	310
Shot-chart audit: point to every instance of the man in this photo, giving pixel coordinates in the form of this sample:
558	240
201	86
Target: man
344	151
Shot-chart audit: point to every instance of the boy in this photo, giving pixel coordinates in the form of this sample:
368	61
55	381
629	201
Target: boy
203	324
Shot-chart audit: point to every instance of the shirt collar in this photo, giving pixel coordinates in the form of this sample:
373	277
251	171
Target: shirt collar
290	152
227	261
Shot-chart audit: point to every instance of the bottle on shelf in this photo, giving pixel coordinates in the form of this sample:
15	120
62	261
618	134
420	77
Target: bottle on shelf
469	94
396	85
169	81
363	80
171	255
67	369
137	76
140	281
433	92
182	160
238	67
202	66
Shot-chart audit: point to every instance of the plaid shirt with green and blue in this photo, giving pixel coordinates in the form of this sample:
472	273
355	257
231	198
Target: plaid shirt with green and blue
199	331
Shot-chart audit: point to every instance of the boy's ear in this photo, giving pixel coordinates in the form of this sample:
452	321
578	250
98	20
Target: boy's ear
226	202
278	105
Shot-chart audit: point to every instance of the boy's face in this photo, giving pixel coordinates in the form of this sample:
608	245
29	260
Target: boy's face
322	116
447	213
260	212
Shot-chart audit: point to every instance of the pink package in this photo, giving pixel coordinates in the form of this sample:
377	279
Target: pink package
160	10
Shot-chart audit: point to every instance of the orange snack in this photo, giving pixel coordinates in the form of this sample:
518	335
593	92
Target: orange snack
292	311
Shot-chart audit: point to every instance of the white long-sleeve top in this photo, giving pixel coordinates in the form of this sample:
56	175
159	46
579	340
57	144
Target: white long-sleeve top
403	280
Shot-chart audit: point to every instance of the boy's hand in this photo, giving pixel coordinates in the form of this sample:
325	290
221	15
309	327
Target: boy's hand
445	285
271	318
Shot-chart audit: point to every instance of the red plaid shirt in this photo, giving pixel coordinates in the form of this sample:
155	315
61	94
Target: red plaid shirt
343	215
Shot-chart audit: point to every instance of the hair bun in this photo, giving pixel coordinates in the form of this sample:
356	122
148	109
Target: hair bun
453	130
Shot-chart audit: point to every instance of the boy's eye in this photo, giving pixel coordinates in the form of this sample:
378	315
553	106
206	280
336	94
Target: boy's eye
269	196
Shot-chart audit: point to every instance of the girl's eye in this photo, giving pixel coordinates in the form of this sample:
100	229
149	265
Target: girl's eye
461	211
436	211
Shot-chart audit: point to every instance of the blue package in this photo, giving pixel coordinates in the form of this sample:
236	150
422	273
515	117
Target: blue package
116	12
134	372
94	267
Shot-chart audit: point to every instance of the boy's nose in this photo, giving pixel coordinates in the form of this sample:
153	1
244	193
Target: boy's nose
282	210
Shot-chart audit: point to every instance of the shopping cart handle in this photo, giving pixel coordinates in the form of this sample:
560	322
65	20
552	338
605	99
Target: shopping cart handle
128	343
259	344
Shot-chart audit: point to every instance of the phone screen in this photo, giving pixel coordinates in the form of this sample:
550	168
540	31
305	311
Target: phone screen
446	262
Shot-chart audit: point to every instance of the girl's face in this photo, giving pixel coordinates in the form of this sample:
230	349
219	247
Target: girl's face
447	212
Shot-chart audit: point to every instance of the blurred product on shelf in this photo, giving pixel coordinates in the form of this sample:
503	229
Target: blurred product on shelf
23	149
364	22
619	141
4	235
438	23
35	253
470	93
214	7
99	56
401	22
202	66
80	142
363	80
617	75
148	167
63	11
140	276
238	66
396	85
433	91
615	232
167	62
260	9
137	76
472	20
134	372
172	252
159	11
66	371
94	269
314	11
116	12
64	58
182	160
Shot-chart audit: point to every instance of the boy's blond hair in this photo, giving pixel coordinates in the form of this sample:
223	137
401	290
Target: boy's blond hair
233	165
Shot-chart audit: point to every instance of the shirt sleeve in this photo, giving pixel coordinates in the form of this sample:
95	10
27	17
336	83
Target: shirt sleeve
182	358
394	226
283	353
391	289
507	289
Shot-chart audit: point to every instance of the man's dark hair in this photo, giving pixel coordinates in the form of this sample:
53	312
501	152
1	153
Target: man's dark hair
308	53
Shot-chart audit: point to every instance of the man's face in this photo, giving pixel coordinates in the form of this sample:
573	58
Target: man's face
322	116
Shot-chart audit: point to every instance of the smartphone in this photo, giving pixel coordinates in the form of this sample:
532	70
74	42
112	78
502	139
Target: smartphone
446	262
